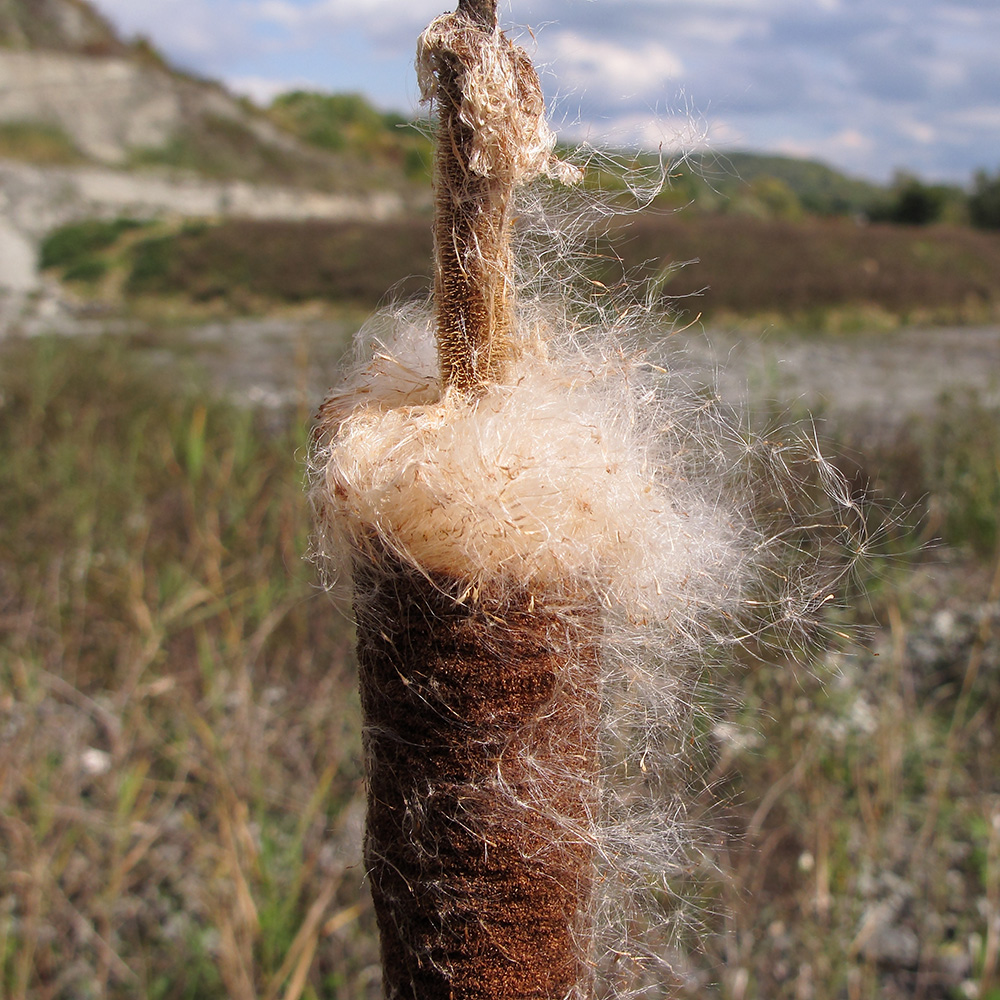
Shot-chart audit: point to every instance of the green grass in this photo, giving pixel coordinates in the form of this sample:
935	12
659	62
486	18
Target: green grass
78	248
221	147
347	122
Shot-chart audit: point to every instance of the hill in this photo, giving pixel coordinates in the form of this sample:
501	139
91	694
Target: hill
73	92
57	25
820	189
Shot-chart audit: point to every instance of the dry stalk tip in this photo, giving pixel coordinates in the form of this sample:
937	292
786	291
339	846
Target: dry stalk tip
491	137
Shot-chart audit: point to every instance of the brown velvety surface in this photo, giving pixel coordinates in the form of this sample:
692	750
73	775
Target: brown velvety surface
472	250
480	723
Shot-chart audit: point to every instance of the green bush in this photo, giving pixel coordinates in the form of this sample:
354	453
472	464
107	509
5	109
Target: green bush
151	261
326	120
984	202
90	270
72	246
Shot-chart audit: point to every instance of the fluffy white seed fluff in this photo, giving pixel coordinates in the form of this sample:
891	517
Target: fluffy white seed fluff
578	468
597	467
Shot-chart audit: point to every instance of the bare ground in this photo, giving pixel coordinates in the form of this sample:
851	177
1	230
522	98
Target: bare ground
885	378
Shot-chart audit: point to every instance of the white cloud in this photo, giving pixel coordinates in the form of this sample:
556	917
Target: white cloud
719	31
868	86
196	32
262	90
588	64
983	116
379	17
669	133
920	132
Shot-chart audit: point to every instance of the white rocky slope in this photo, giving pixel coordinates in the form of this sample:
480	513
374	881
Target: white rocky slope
109	102
35	200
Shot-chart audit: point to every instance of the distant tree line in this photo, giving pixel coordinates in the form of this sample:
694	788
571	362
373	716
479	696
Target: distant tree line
912	202
984	202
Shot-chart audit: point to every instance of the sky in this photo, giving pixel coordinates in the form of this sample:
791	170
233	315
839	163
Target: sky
868	86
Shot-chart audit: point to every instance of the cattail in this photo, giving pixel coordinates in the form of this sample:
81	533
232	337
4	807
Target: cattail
540	531
480	700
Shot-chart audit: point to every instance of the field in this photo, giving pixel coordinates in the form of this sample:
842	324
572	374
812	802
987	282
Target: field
180	794
818	273
180	776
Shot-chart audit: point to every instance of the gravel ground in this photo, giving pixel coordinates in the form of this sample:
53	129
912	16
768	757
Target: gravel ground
885	377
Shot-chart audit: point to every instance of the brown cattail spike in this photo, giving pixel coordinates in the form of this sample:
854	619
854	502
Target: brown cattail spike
481	749
483	12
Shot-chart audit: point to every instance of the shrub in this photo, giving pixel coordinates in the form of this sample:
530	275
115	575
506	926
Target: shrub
72	245
984	203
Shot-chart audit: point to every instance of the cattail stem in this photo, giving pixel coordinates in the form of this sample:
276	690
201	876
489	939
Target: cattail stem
472	255
480	702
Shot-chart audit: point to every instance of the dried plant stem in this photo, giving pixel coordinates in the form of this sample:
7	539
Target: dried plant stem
480	702
472	278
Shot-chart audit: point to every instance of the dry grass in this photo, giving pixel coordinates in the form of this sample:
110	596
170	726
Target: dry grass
802	272
828	274
179	745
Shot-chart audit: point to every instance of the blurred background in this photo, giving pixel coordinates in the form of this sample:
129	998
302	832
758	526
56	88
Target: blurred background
200	202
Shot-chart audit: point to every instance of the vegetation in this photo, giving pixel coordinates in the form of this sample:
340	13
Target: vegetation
818	189
222	147
246	264
37	142
340	122
984	203
181	792
180	744
816	273
812	272
28	24
911	202
79	249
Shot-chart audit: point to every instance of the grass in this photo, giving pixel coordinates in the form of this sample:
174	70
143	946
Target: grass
37	142
813	273
861	854
341	122
78	248
245	263
254	150
180	754
224	148
180	730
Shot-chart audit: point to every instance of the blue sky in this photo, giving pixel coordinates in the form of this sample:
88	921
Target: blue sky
869	86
